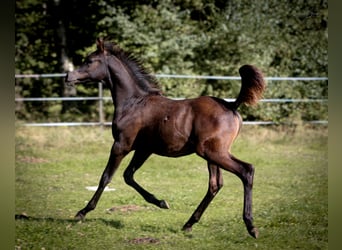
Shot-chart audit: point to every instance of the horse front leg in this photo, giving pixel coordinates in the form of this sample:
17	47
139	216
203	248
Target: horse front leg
113	163
138	159
215	184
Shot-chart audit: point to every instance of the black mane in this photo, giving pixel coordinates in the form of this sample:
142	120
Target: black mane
144	78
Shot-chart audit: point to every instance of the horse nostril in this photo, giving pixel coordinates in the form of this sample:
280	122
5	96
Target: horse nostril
70	76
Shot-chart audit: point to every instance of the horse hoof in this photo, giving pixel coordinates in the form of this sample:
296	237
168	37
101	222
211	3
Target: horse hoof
164	204
79	216
187	228
254	232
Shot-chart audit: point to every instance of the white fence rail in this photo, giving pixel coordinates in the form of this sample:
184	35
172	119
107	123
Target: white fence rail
276	78
102	98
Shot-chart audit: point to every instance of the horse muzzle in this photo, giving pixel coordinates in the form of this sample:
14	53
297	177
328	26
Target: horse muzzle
74	77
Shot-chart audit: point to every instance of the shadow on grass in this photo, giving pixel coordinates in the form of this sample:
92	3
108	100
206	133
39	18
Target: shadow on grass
112	223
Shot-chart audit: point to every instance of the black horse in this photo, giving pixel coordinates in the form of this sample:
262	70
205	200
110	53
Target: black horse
147	122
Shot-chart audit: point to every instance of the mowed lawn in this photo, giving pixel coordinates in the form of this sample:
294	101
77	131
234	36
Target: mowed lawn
55	165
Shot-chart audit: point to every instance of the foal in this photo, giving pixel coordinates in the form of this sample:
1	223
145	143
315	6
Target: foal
147	122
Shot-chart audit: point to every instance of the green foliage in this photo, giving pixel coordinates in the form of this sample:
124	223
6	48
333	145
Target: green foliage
197	37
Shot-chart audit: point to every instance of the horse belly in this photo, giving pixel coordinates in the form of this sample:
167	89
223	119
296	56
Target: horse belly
174	135
174	147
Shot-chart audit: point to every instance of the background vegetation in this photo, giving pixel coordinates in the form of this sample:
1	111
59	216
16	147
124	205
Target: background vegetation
55	165
198	37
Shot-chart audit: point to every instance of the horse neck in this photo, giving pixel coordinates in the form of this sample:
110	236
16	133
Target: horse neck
122	85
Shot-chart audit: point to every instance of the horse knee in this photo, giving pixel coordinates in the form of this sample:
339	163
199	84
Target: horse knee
105	179
250	170
214	188
128	177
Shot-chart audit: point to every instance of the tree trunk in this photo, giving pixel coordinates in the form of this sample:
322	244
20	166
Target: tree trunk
61	45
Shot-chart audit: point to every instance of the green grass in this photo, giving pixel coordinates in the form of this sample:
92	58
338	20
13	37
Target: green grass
54	165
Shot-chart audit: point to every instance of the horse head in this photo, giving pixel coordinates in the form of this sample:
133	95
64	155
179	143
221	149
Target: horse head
93	69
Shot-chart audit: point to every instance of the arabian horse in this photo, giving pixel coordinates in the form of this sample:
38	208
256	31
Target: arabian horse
147	122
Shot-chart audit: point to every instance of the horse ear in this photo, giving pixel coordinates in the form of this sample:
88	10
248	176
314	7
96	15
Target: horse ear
100	44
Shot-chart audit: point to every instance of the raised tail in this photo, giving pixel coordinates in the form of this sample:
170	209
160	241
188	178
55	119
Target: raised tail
252	86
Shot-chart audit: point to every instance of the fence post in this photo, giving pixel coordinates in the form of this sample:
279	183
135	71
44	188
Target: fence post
101	120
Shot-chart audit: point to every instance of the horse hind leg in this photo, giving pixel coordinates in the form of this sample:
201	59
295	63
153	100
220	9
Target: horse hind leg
138	159
245	172
247	179
215	184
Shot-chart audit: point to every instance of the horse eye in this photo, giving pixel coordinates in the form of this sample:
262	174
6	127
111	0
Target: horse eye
88	62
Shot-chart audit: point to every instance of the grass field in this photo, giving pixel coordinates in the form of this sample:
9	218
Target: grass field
55	165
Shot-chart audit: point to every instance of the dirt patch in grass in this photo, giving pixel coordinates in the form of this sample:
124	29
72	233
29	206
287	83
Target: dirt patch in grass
145	240
125	208
31	159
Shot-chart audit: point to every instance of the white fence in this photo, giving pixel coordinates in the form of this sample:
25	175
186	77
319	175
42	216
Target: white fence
102	98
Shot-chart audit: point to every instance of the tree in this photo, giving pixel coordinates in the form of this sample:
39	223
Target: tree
212	37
